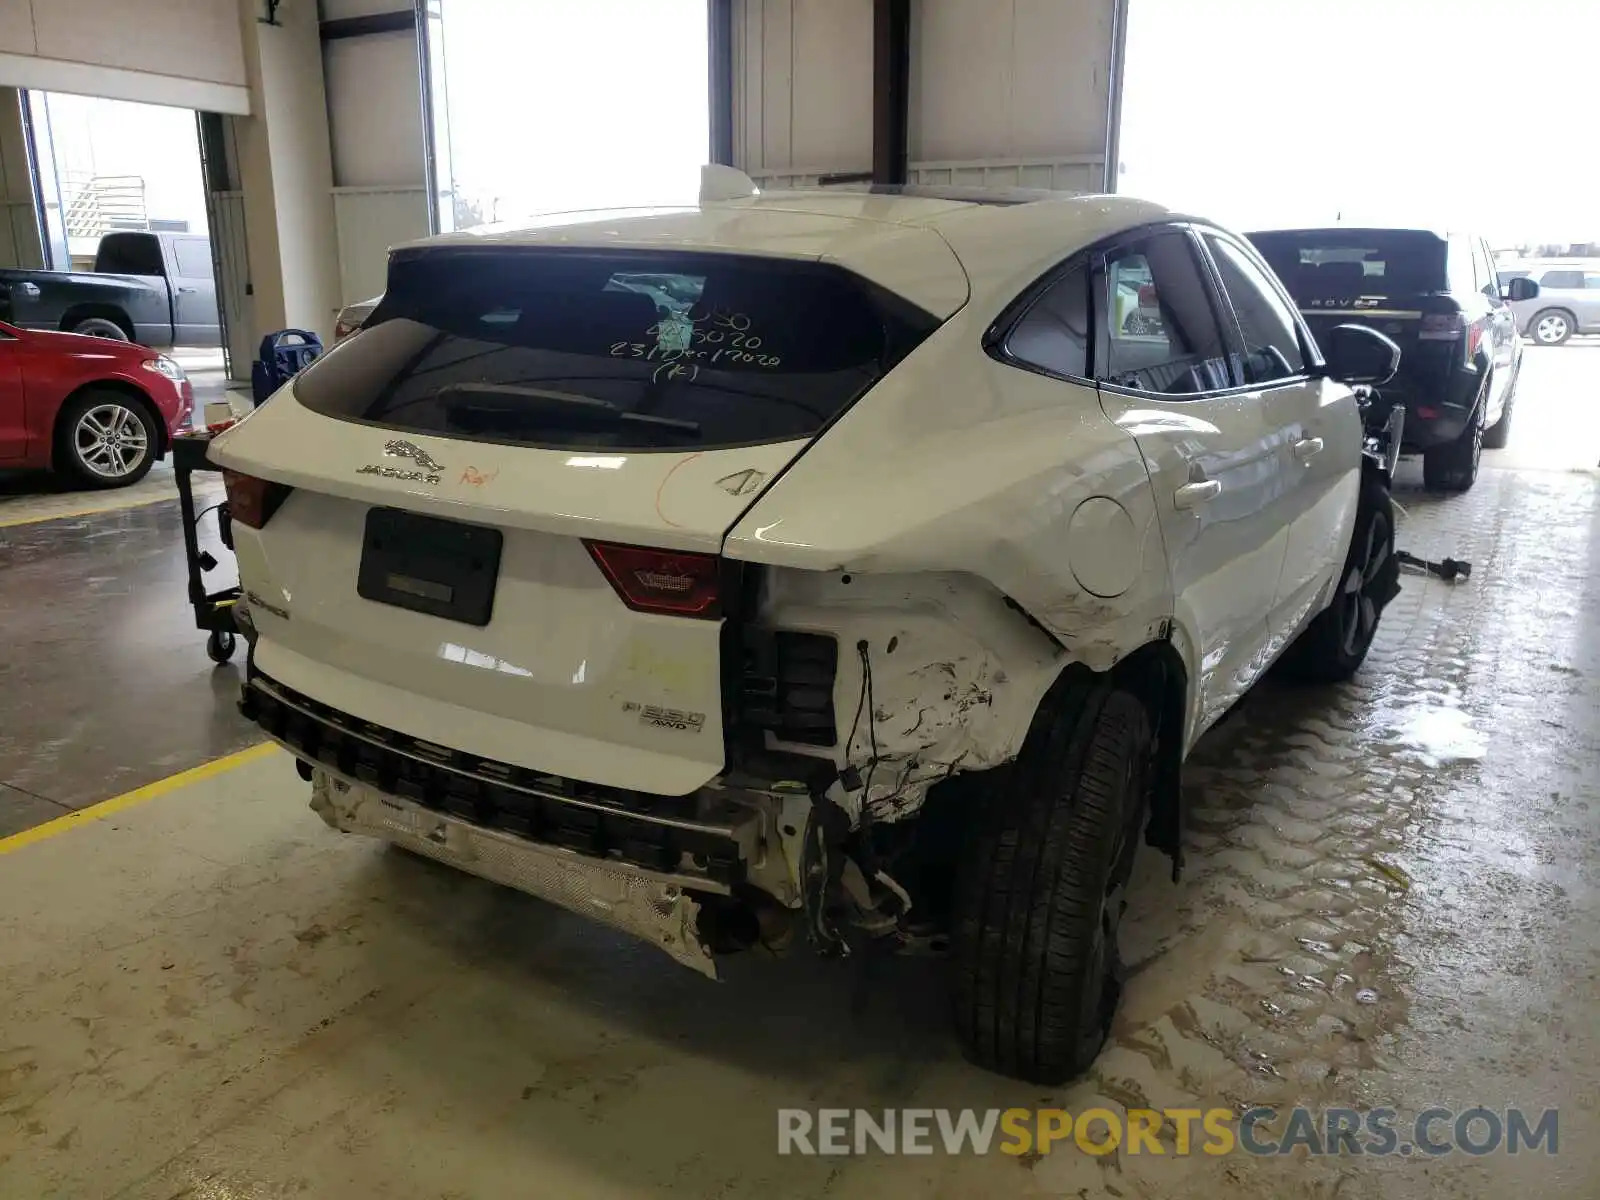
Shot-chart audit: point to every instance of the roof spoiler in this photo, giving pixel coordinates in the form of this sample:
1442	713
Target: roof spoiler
718	182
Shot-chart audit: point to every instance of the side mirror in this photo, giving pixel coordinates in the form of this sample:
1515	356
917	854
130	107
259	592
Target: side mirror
1359	354
1521	288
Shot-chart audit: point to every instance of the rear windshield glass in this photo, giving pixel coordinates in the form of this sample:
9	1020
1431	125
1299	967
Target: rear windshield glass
129	254
618	351
1326	264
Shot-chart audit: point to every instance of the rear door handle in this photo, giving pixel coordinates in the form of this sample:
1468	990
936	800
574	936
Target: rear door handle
188	291
1193	495
1307	448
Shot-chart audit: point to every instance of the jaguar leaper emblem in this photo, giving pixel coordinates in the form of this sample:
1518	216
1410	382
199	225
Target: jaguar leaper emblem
403	449
429	471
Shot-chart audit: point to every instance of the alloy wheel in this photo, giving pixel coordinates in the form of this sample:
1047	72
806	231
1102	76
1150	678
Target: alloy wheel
1355	594
1551	329
111	441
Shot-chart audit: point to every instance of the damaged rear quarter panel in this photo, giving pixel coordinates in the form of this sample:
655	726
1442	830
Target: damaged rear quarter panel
950	487
956	673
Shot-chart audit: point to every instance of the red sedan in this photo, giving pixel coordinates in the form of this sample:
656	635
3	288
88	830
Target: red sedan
100	410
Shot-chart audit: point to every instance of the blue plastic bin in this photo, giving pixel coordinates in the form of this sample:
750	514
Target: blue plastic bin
283	355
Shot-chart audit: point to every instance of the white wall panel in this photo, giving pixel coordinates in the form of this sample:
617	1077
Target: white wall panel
375	109
370	220
1003	92
803	86
19	223
184	52
1010	78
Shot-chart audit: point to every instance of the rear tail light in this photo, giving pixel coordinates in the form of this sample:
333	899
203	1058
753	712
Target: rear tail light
252	501
1442	327
662	581
1449	327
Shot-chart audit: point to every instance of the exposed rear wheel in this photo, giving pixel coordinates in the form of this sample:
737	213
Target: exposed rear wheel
1041	891
1498	435
1453	467
1333	647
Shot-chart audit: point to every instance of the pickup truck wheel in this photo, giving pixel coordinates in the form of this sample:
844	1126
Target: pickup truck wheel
1332	648
1041	890
1453	467
107	439
101	327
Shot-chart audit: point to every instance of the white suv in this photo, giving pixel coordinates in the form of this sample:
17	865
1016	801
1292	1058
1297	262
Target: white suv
848	564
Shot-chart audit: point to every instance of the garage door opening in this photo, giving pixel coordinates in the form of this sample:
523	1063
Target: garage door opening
545	105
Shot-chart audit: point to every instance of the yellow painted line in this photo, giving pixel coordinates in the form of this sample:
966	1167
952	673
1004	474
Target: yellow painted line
107	808
72	513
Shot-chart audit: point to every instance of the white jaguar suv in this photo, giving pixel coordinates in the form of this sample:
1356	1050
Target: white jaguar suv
843	567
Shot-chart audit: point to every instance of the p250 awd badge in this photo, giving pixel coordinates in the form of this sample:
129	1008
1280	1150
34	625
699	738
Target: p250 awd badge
667	718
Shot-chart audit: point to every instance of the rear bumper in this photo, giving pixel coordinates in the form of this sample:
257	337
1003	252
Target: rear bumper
1437	408
654	908
702	840
630	860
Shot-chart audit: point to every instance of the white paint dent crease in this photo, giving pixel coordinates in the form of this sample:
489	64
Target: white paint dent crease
956	675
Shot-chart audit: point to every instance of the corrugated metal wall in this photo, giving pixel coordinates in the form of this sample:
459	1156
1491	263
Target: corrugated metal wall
232	252
370	220
1003	92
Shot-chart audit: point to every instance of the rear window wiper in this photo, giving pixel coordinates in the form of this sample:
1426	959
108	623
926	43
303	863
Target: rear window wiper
512	391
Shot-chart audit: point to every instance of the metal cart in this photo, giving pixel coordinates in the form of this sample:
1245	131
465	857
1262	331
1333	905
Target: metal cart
213	611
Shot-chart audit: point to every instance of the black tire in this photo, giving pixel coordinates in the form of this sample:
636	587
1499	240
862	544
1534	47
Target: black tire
1040	892
220	645
1498	435
106	461
1332	648
1453	467
1551	327
101	327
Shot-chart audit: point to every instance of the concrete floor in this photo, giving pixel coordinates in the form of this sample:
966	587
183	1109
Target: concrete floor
1392	898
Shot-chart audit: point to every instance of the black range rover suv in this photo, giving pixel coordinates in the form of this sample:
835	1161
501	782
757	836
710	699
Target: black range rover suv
1438	297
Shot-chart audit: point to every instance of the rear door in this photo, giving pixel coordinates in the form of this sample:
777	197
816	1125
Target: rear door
1314	423
1589	306
194	293
1163	369
509	494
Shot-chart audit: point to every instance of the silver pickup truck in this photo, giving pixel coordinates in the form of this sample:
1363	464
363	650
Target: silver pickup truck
156	289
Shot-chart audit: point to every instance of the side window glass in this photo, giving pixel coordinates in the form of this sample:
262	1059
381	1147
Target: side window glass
194	257
1160	333
1267	325
1488	281
1562	279
1591	283
1054	334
